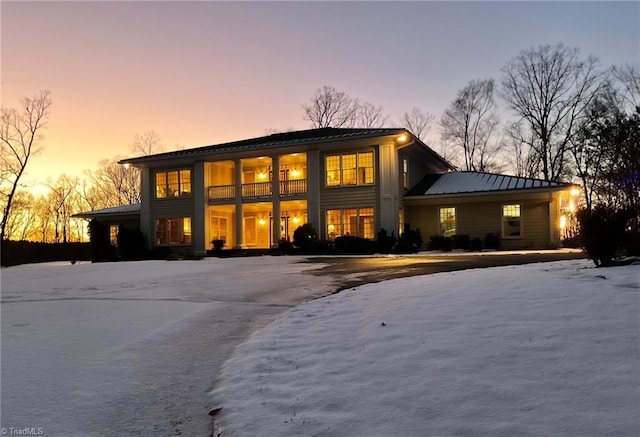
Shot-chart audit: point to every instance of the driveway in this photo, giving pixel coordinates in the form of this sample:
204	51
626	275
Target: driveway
136	348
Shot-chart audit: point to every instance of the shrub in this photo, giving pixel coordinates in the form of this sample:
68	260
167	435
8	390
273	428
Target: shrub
440	242
602	230
285	246
492	240
631	243
385	242
354	245
476	244
131	244
410	241
305	237
462	241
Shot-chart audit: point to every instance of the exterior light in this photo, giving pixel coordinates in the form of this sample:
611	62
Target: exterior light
262	175
127	165
563	222
295	173
575	192
262	221
402	138
296	220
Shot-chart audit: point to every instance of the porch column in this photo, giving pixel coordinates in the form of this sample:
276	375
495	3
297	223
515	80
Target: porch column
199	199
239	220
314	181
275	190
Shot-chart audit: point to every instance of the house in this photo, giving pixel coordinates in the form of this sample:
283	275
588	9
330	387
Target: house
253	193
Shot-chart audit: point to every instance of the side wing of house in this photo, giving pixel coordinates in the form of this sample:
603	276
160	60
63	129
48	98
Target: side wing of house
524	213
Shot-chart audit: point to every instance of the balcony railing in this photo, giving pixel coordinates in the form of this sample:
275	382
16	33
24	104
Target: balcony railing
222	192
293	187
261	189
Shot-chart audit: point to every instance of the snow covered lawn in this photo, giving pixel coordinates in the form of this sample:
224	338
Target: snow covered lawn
540	350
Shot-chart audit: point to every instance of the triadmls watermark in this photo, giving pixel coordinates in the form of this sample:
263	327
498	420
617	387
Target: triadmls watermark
28	430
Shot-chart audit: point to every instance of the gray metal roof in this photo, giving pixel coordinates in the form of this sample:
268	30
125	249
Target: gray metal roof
463	182
113	211
294	138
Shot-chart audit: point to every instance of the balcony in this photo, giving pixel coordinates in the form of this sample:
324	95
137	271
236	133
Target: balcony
288	188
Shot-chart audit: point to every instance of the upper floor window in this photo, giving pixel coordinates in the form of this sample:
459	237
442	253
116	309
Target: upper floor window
511	221
349	169
405	173
173	183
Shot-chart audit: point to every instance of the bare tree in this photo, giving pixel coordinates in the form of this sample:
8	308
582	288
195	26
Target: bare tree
469	123
417	122
61	196
625	83
549	87
115	184
519	156
332	108
370	116
20	133
147	143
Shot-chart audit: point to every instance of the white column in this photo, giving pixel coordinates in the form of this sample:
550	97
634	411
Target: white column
275	190
146	196
239	220
199	199
388	179
314	181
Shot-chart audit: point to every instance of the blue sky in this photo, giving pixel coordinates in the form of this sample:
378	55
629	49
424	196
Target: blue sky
206	72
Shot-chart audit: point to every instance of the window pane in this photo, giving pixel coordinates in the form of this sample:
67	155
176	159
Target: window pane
333	224
186	230
365	168
350	222
173	225
161	231
447	221
185	182
172	184
511	225
349	169
365	228
161	185
333	171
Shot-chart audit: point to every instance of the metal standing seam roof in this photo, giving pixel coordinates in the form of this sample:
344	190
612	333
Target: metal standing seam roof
274	140
463	182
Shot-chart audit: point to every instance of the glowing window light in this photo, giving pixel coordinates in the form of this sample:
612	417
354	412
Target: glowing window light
563	222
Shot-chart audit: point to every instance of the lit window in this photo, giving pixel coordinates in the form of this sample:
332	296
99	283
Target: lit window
173	230
511	221
349	169
113	235
405	173
353	221
174	183
218	228
447	221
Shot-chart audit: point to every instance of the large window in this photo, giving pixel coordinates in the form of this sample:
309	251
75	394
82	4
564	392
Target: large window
354	221
173	230
447	221
349	169
511	221
405	173
173	183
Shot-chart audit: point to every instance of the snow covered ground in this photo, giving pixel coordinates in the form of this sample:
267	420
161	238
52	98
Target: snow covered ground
126	349
547	349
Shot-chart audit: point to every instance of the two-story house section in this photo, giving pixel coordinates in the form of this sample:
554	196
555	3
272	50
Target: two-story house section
253	193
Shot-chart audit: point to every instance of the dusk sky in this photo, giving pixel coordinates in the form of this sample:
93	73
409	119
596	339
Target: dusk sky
202	73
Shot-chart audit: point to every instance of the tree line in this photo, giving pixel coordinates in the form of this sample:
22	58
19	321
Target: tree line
571	120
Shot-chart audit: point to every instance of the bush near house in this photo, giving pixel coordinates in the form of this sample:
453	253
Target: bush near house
602	230
440	242
410	241
131	244
385	242
476	245
350	244
492	241
461	241
305	237
101	248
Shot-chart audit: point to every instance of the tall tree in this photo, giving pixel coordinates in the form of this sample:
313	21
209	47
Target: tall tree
469	123
115	184
20	134
417	122
549	87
